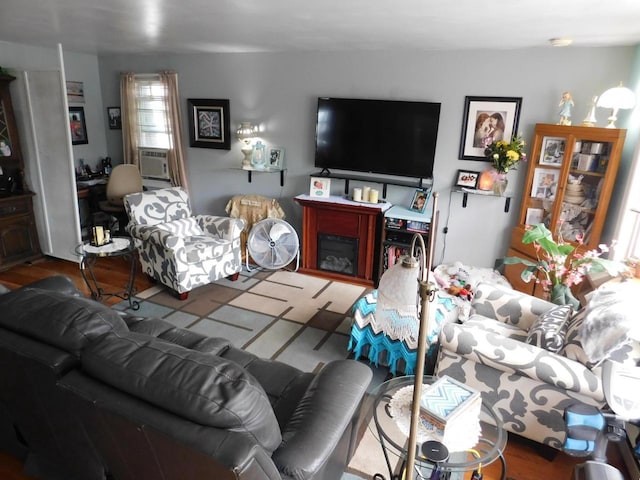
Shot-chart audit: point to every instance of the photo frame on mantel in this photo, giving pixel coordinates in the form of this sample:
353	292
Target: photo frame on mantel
485	120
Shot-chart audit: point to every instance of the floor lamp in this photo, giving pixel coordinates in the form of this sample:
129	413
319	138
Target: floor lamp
397	298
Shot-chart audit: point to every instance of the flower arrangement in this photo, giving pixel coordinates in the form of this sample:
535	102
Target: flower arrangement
560	265
506	156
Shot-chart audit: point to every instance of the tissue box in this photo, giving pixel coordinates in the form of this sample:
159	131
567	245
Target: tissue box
448	405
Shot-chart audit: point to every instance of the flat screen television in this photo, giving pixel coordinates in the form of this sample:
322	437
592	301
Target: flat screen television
377	136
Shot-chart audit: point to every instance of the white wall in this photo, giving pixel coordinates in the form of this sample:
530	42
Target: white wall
280	91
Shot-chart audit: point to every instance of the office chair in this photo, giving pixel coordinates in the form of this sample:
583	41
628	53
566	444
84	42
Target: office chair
124	179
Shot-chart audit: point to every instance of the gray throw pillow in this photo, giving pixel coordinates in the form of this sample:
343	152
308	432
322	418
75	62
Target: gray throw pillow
550	329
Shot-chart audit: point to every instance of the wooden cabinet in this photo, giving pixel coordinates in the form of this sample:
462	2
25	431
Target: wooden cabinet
18	234
568	187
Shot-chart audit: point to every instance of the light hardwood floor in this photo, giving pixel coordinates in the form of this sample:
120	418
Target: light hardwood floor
524	458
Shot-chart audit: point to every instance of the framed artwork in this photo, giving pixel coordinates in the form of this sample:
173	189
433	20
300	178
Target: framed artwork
276	158
534	216
75	92
78	126
552	151
467	179
486	120
209	123
115	119
545	182
320	187
419	201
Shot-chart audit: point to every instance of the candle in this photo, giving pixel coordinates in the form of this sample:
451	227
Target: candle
373	196
357	194
365	193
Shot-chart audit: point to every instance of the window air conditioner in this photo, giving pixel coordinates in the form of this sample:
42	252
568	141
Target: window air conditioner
154	163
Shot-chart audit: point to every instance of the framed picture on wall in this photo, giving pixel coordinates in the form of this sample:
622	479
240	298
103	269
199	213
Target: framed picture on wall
209	123
486	120
78	126
115	120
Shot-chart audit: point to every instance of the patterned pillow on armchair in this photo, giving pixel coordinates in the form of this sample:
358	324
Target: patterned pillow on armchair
550	329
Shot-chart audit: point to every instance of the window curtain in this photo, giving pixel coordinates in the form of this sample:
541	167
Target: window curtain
173	127
176	151
129	117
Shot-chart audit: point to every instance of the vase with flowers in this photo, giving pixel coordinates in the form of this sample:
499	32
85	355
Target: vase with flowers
505	156
561	265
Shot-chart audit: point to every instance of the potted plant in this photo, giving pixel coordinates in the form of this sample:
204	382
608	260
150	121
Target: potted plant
561	265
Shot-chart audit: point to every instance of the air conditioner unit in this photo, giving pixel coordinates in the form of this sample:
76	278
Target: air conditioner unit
154	163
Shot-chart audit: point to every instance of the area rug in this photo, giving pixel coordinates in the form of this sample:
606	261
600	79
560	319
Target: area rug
297	319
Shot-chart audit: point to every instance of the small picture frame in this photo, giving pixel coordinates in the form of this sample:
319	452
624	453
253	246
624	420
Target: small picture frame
552	151
275	157
115	118
419	201
319	187
534	216
545	183
209	123
78	126
467	179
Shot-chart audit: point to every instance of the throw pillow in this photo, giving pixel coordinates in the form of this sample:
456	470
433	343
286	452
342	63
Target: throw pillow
184	227
572	345
550	329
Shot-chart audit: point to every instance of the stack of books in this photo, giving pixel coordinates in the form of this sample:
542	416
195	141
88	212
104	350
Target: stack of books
452	408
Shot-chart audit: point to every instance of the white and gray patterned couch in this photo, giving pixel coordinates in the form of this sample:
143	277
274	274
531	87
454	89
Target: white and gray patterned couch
524	355
181	250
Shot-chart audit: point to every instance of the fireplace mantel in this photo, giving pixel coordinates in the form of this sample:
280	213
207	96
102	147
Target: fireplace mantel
337	216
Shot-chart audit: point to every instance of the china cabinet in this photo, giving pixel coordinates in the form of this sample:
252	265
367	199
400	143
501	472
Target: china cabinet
568	187
18	234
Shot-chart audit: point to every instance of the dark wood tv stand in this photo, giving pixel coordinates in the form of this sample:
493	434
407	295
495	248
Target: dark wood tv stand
347	177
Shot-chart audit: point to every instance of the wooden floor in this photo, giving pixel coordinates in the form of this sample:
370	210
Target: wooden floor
524	458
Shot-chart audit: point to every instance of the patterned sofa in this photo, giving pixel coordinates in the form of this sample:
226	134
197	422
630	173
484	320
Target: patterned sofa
524	355
181	250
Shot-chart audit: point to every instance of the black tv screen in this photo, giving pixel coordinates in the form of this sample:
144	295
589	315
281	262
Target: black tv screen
377	136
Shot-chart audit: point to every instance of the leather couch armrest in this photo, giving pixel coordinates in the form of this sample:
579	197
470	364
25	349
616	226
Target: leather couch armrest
512	356
322	416
57	283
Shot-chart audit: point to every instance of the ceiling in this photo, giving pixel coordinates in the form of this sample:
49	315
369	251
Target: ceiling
189	26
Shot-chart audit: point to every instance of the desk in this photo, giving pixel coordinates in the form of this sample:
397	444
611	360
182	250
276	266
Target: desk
118	247
489	447
89	193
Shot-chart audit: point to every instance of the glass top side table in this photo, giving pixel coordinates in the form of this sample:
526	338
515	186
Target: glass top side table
118	247
489	447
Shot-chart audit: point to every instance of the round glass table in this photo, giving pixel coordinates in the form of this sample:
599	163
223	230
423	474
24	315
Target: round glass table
485	446
117	247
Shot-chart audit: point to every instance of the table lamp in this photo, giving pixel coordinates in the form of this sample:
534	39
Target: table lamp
616	98
397	301
246	133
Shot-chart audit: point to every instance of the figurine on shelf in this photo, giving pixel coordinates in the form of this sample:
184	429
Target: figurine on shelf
565	109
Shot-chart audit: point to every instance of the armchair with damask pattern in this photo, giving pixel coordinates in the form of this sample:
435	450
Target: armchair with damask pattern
178	249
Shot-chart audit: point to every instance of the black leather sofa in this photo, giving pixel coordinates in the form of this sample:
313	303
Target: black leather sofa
90	393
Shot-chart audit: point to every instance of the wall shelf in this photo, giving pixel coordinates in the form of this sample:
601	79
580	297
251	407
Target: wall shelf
347	177
484	193
250	170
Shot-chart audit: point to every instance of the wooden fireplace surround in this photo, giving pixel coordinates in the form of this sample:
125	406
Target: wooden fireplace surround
344	219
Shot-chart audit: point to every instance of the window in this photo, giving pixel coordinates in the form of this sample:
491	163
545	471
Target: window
154	128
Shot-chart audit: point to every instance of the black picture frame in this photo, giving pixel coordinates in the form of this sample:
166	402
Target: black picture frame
114	117
78	126
487	119
209	123
468	179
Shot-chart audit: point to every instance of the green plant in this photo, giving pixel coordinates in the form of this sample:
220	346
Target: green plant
506	156
560	265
